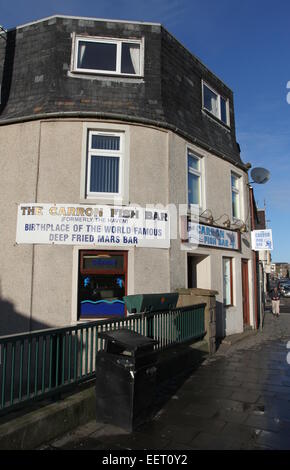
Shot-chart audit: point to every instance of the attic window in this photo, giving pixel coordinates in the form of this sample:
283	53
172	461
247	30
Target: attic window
108	56
216	104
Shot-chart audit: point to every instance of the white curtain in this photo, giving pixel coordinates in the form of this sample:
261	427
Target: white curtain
214	105
82	49
135	57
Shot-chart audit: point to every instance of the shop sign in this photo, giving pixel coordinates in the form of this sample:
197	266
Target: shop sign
207	235
68	224
262	240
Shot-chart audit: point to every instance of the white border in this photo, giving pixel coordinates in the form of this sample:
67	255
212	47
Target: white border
240	192
121	199
203	82
75	271
105	153
201	158
118	41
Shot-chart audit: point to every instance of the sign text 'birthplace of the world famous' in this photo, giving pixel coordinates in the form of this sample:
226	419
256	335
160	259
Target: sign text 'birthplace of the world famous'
72	224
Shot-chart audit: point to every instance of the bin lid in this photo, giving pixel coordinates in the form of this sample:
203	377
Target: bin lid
151	302
128	339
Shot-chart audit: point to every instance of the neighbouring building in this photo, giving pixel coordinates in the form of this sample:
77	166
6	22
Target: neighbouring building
280	269
264	255
100	114
262	245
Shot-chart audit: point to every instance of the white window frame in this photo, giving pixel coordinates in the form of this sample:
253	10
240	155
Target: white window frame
106	40
199	173
231	281
236	190
219	115
104	153
122	197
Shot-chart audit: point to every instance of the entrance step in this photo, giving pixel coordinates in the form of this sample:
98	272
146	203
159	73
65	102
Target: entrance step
232	339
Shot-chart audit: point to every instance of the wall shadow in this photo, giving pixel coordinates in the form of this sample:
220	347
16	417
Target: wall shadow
13	322
220	323
30	364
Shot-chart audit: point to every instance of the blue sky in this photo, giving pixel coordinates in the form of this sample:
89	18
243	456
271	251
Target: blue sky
247	44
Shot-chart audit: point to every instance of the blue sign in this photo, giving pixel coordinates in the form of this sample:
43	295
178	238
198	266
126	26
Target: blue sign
200	234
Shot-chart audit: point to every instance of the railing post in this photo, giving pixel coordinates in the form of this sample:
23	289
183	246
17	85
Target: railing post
57	348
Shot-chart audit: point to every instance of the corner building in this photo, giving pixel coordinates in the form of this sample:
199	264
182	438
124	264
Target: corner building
97	112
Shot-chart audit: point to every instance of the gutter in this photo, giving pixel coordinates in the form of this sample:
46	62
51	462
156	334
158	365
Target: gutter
127	118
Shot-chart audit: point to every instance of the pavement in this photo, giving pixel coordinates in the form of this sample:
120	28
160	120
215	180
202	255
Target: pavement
237	399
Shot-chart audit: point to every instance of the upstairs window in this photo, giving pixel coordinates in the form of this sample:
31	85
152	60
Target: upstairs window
215	104
194	179
104	164
108	56
236	196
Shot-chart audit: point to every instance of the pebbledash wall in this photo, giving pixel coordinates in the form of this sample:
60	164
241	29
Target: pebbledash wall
47	109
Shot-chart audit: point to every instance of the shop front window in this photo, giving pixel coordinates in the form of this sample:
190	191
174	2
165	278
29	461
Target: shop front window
102	284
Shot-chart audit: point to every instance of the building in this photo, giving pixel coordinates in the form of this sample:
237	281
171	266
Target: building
280	269
264	255
262	246
95	114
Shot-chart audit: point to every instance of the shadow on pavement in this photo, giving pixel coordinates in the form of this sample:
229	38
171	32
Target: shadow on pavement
175	366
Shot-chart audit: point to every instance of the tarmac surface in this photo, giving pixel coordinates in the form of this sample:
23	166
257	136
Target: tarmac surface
237	399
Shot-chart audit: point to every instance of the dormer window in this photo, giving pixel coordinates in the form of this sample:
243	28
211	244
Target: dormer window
108	56
215	104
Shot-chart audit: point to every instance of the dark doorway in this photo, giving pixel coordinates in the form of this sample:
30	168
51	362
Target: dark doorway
191	272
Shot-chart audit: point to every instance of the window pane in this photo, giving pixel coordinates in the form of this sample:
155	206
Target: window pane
235	205
130	60
97	56
227	281
224	110
193	189
193	162
104	174
105	142
210	101
235	181
101	295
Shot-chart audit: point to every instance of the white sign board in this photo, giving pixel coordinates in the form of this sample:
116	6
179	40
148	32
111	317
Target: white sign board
73	224
262	240
200	234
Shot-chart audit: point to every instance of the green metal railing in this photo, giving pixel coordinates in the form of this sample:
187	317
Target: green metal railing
44	363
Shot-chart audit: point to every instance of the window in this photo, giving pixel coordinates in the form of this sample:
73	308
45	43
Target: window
194	175
227	281
104	164
236	203
215	103
108	56
102	284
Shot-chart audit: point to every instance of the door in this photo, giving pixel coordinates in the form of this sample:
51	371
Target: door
245	292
